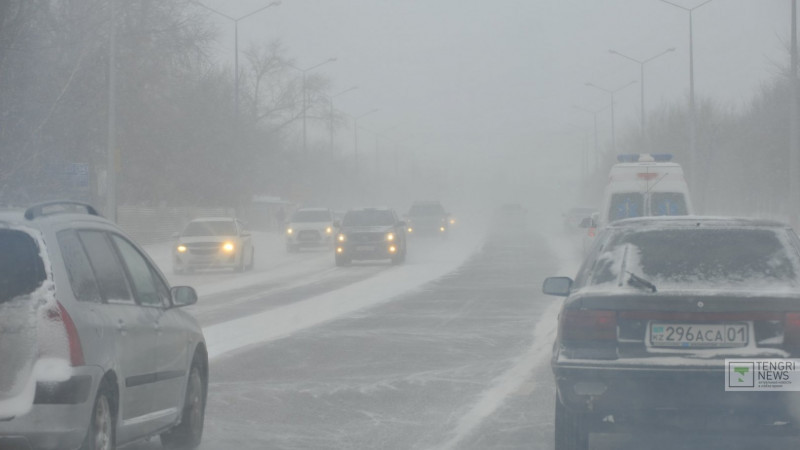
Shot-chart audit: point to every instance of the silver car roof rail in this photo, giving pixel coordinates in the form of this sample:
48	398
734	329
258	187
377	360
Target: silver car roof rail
65	206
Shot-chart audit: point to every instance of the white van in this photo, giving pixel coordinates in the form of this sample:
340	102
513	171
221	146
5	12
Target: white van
644	185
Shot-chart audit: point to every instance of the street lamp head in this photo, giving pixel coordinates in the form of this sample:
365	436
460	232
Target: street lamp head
613	52
332	59
275	4
671	49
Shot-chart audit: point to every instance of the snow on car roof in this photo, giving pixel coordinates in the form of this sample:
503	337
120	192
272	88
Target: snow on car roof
694	221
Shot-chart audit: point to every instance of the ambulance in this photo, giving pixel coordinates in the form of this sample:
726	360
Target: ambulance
644	185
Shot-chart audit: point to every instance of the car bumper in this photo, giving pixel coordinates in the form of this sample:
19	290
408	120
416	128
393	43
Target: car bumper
689	399
368	251
321	241
185	261
59	417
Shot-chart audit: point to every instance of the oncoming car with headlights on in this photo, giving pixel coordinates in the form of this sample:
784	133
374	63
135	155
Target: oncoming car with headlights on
214	242
370	234
656	309
310	227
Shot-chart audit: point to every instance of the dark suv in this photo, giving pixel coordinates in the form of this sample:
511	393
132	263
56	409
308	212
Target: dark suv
370	233
428	218
657	312
95	349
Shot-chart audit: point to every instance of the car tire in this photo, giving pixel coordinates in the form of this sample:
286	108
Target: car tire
240	267
102	432
189	432
570	429
341	260
252	259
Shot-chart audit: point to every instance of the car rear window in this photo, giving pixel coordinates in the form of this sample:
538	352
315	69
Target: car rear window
625	205
700	257
21	267
668	204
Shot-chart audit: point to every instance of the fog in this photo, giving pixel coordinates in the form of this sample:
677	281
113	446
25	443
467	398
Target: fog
476	103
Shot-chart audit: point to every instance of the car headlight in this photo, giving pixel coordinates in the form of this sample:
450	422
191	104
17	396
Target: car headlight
329	230
452	221
341	238
289	231
390	237
410	230
228	247
441	228
181	248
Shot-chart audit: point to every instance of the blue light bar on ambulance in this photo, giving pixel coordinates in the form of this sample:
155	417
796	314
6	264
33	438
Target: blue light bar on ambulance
644	157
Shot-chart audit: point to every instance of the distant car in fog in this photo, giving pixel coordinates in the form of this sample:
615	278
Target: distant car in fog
575	217
310	227
370	234
655	310
213	243
427	218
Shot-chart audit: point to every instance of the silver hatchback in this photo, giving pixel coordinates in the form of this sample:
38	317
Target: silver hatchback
95	349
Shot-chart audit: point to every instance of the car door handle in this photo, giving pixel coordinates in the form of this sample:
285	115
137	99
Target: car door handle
157	327
121	326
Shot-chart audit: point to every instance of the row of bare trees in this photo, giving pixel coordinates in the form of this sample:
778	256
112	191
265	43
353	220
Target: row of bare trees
178	140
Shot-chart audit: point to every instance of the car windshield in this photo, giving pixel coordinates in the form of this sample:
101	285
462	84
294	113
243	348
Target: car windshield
426	209
700	259
368	218
311	216
210	228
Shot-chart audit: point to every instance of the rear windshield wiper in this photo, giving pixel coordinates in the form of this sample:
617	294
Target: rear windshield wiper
639	282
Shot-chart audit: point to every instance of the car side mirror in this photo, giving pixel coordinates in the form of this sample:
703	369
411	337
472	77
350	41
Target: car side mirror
557	286
402	223
245	233
183	296
588	222
337	224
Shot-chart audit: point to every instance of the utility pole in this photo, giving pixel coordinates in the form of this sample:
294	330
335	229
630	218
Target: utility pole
111	151
794	155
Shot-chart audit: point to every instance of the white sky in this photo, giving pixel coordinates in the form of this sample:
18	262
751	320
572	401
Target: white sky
485	81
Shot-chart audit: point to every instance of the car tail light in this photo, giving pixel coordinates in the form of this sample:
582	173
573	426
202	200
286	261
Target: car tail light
588	325
791	330
59	316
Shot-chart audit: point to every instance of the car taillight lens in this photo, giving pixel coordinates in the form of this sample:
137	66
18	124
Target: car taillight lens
791	331
59	316
588	325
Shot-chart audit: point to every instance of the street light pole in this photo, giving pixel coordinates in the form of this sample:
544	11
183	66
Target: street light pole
641	63
355	135
611	92
236	21
330	99
695	170
305	97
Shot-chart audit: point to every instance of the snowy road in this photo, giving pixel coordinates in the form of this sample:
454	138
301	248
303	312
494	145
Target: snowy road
448	351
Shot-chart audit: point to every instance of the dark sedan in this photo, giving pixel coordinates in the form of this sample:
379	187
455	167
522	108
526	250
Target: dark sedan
656	314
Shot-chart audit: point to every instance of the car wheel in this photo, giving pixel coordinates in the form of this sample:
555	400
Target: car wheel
189	432
252	259
570	429
240	267
102	432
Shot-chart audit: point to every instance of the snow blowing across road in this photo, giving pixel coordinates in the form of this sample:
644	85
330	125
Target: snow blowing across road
226	337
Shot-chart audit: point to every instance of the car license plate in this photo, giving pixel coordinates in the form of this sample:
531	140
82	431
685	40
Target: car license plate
365	248
698	335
